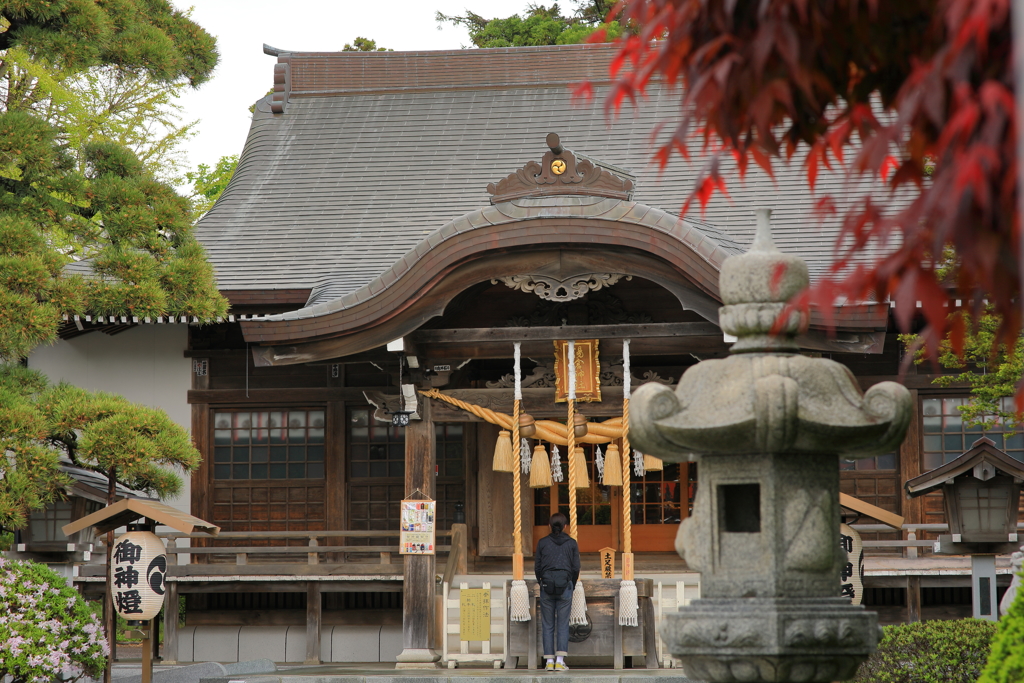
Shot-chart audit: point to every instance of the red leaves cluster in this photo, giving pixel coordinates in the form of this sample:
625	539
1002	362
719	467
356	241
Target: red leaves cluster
914	92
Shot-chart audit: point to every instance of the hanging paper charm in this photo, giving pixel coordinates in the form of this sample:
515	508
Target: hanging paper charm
638	463
524	455
599	462
556	464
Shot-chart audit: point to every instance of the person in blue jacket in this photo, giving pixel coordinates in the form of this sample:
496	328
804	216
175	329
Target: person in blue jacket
557	567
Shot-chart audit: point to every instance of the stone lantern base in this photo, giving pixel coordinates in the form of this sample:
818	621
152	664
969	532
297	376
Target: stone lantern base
771	640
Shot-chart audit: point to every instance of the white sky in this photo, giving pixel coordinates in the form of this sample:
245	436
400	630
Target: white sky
245	73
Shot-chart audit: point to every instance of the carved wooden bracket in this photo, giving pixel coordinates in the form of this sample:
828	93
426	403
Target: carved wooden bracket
562	290
560	173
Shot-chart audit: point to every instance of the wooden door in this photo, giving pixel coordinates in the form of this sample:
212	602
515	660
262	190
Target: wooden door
598	507
659	502
494	500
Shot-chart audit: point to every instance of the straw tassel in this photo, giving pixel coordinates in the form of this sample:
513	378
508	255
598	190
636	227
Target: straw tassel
582	478
652	464
503	460
519	601
578	611
612	467
540	470
628	603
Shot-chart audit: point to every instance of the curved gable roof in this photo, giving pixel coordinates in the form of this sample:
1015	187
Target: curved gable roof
371	153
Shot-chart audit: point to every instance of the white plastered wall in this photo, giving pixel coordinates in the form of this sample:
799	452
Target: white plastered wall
145	364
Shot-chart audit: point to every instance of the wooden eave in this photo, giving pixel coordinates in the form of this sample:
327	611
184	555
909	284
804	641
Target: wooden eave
129	510
983	450
651	244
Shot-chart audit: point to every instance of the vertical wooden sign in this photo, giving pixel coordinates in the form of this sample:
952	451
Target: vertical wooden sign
475	614
607	563
627	566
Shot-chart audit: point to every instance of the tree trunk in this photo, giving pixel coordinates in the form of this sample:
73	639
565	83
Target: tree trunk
108	603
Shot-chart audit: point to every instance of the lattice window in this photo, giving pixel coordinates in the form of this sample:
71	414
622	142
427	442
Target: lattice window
877	463
375	449
656	498
946	436
268	444
377	470
45	525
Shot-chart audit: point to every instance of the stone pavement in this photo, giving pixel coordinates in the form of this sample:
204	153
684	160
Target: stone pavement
385	673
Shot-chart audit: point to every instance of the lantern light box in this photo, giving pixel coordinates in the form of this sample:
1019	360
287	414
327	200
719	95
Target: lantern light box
138	571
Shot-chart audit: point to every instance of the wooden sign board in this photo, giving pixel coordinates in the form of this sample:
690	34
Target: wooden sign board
588	371
475	614
607	563
418	519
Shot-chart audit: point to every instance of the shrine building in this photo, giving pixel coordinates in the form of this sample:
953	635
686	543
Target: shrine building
398	221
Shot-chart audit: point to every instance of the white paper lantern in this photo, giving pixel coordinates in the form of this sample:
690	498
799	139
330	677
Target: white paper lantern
852	573
138	571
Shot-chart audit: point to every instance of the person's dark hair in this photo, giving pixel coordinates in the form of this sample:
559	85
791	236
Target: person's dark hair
557	522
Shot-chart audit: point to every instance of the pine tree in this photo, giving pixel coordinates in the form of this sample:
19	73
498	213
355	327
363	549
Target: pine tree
86	228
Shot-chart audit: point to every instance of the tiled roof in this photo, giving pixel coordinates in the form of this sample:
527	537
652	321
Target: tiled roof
374	152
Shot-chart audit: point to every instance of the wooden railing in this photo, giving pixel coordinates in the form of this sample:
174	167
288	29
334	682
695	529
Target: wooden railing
313	549
910	544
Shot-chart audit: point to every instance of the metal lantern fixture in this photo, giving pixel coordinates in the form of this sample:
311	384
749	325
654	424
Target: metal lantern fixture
981	493
137	574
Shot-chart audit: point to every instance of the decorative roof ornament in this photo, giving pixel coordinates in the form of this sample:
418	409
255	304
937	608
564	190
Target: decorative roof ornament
550	289
561	172
766	424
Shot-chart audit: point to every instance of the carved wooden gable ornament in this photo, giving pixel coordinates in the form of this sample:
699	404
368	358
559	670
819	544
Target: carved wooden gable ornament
561	173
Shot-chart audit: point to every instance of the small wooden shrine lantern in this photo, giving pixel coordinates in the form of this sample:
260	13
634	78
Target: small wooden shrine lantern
981	498
147	581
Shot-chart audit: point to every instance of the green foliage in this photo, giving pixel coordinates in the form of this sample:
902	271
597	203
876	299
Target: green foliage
1006	661
539	25
88	126
40	424
86	120
209	183
47	632
951	651
361	44
136	36
990	367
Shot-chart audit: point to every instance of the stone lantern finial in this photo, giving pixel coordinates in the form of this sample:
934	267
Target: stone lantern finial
767	425
755	287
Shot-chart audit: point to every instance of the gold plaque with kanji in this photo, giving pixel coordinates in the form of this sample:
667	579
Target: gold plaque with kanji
475	614
588	371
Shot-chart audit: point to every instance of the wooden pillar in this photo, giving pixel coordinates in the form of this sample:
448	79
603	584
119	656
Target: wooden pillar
314	615
418	588
171	623
147	651
913	599
910	464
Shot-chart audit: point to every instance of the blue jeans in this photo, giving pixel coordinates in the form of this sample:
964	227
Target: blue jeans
554	622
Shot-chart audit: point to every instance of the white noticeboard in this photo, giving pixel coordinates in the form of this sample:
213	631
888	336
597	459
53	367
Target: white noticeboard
418	524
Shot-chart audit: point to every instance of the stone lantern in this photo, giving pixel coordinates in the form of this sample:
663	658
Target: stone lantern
981	496
767	426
